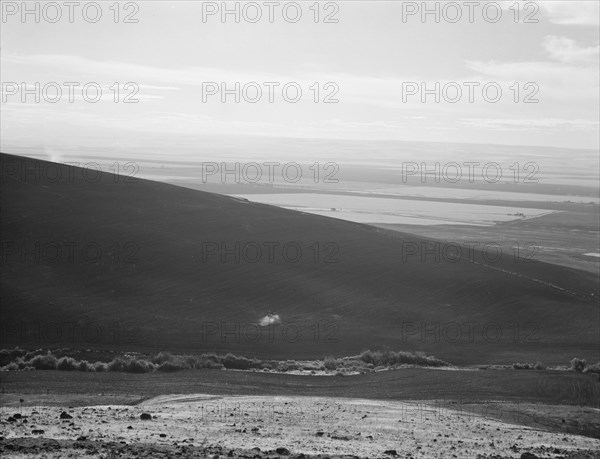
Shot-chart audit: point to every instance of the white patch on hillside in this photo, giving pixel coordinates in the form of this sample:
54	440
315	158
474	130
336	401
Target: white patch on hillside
271	319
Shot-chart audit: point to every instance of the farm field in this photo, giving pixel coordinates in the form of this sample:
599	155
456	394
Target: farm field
394	211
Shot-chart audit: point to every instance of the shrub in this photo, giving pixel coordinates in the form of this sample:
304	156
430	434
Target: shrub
170	366
288	365
43	362
130	365
234	362
162	357
595	368
31	354
330	363
578	364
189	361
208	361
9	355
116	364
522	366
12	366
66	364
84	365
100	366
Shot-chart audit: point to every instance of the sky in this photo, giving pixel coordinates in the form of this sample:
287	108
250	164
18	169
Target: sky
361	69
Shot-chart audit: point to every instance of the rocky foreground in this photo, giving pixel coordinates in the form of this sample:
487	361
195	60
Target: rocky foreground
275	427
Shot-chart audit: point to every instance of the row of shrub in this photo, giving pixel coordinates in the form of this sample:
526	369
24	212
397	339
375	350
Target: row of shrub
19	359
529	366
49	361
392	358
576	364
163	361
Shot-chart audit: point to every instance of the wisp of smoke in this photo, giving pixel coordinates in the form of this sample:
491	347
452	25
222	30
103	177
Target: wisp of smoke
270	320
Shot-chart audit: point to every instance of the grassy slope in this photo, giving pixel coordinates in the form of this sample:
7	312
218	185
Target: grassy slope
169	292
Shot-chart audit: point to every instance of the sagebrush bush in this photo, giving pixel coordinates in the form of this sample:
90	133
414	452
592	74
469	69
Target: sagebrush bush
84	365
162	357
235	362
594	368
288	365
522	366
171	366
67	364
12	366
100	366
578	364
330	363
10	355
208	361
130	365
42	362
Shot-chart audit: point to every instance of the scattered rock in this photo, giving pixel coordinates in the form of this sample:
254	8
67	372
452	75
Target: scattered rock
391	452
145	417
340	437
65	415
528	456
283	451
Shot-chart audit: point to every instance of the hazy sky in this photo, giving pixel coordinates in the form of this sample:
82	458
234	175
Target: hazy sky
369	54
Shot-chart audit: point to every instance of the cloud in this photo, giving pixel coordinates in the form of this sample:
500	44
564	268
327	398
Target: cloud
567	83
586	13
531	124
566	50
578	13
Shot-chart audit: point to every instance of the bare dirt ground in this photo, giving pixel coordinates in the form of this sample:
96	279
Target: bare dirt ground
199	425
